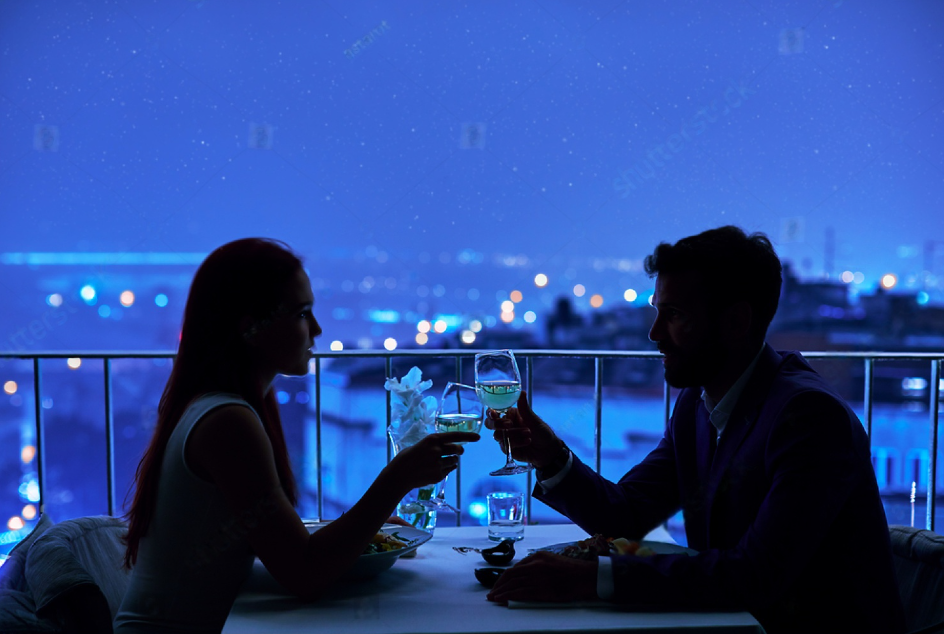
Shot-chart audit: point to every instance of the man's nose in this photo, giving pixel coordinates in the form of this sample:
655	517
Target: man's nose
655	332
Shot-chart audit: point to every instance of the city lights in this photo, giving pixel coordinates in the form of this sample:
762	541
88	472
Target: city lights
847	277
104	311
579	290
889	280
74	363
468	337
475	325
126	298
423	326
27	454
530	316
10	387
29	512
422	338
87	293
507	317
390	343
507	306
161	300
54	300
15	523
440	326
630	295
596	301
336	346
516	296
540	280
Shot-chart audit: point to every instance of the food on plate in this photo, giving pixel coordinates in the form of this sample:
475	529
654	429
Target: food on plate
599	545
384	542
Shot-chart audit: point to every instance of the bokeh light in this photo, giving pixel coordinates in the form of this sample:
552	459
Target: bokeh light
28	512
540	280
74	363
27	453
508	317
596	301
468	337
579	290
126	298
423	326
630	295
10	387
516	296
440	326
15	523
530	316
390	343
889	280
422	338
336	346
507	306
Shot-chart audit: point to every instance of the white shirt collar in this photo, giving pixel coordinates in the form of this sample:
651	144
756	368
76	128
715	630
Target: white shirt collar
721	411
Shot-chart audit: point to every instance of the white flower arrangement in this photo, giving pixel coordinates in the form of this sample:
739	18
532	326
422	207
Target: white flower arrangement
413	416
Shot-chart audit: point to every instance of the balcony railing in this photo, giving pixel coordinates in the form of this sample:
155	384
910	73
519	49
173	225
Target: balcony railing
460	356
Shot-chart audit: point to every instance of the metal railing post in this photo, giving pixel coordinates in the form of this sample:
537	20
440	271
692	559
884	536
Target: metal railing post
598	412
318	449
40	438
867	392
932	444
109	438
529	477
459	466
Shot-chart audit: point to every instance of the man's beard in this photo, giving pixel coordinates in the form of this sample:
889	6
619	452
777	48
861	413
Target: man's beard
693	368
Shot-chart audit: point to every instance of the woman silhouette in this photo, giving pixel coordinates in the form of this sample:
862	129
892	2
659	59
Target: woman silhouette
215	487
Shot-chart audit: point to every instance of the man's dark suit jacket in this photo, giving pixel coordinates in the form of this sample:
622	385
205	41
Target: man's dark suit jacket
786	516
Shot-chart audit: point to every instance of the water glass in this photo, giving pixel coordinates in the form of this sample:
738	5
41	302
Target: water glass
505	516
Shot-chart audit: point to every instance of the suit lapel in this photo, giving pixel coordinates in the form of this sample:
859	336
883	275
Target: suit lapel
742	420
703	432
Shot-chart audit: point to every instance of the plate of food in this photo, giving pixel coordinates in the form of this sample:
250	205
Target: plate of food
600	546
389	544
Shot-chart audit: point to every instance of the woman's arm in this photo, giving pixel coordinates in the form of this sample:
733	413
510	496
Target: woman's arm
229	447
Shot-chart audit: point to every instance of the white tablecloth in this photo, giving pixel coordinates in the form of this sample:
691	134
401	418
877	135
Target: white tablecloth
437	592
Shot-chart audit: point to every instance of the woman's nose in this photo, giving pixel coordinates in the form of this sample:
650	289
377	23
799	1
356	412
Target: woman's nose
314	327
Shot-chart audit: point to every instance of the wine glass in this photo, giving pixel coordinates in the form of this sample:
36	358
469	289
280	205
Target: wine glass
498	384
459	410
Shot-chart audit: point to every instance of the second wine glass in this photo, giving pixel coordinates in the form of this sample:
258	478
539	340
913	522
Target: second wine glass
498	384
459	410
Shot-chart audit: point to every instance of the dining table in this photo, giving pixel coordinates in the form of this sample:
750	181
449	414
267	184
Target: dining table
436	591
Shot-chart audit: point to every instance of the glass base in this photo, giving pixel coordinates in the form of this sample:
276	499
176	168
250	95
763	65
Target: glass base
511	469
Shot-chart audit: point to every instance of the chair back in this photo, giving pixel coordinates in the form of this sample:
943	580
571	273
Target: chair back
919	564
76	575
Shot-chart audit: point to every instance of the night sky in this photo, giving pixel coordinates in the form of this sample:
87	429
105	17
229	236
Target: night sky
473	145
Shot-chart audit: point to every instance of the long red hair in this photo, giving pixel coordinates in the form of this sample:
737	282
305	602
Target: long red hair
244	278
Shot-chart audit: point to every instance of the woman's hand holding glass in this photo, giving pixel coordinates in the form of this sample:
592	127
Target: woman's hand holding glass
429	460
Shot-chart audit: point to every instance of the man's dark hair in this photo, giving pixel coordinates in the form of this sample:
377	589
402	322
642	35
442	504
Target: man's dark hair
735	266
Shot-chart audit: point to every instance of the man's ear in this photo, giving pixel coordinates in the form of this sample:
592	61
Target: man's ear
738	319
248	328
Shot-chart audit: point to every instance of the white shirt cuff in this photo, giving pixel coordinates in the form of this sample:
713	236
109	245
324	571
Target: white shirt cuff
550	483
605	586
